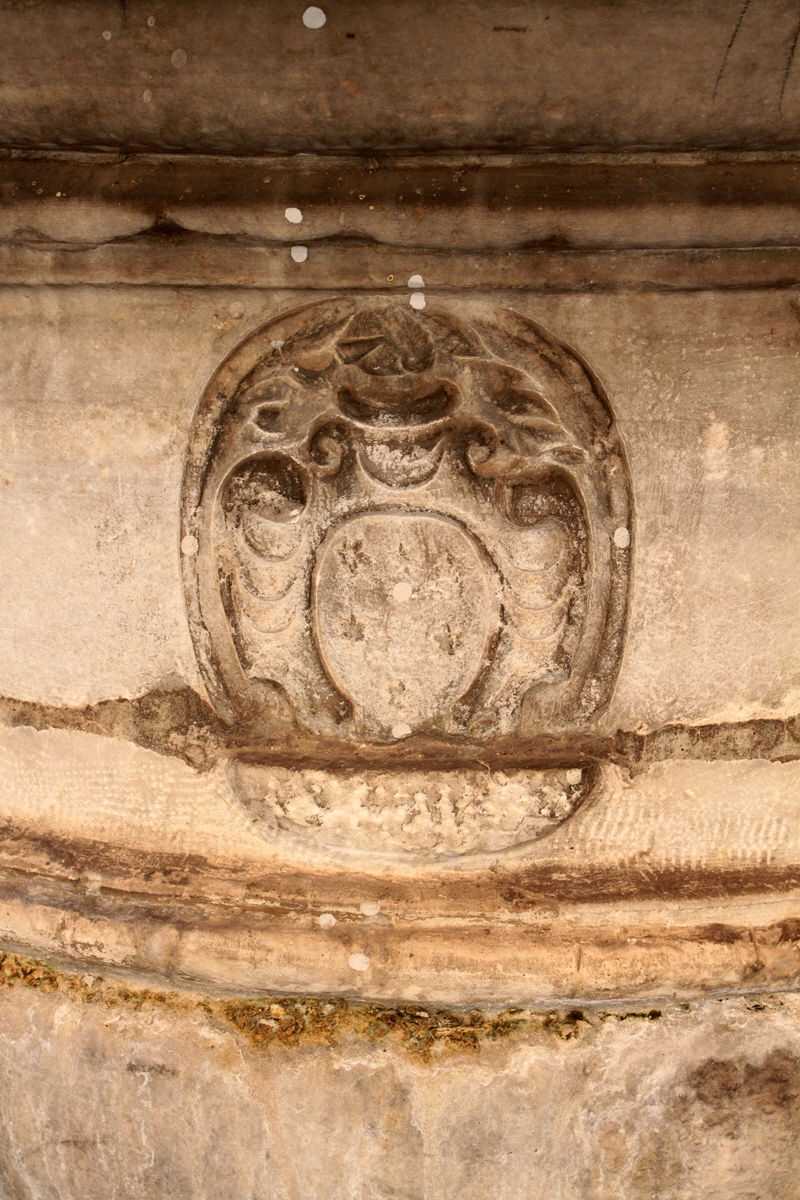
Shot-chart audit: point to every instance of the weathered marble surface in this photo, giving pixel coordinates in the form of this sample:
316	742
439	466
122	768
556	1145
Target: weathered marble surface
101	386
56	783
154	218
124	1104
630	182
98	392
679	880
247	77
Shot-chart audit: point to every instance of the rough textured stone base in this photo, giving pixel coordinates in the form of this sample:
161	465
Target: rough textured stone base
131	1096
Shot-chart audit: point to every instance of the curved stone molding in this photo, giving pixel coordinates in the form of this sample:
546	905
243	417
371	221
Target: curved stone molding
678	879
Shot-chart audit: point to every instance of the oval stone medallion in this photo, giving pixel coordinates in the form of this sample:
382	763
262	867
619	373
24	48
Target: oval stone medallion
404	608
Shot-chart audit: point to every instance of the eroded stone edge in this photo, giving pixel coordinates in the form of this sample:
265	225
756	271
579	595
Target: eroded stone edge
563	960
424	1033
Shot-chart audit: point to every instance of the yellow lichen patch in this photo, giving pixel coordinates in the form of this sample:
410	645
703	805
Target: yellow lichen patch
423	1032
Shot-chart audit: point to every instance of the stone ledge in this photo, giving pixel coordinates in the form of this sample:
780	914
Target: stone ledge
689	872
208	262
563	962
251	78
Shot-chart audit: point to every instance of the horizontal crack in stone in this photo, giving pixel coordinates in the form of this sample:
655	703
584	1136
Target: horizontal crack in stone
179	723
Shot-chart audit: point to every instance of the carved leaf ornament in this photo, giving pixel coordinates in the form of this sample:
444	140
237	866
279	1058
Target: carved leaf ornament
405	525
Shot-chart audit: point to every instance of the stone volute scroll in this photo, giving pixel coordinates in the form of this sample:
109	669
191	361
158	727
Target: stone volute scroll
412	535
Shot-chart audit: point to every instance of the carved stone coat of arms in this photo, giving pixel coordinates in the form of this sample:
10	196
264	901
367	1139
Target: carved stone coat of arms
410	527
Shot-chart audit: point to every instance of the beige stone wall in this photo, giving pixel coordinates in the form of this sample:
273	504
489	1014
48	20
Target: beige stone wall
399	676
101	386
146	1097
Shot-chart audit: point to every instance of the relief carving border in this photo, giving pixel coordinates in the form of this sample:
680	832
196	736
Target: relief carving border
347	435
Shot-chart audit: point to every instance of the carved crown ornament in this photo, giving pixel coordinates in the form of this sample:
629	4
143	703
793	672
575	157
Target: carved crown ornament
412	536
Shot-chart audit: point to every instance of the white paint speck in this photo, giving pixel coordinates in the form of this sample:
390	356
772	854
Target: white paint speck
416	281
327	920
293	215
107	34
417	300
622	537
299	253
236	310
359	962
147	95
574	776
402	592
400	731
179	59
314	18
370	908
190	545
